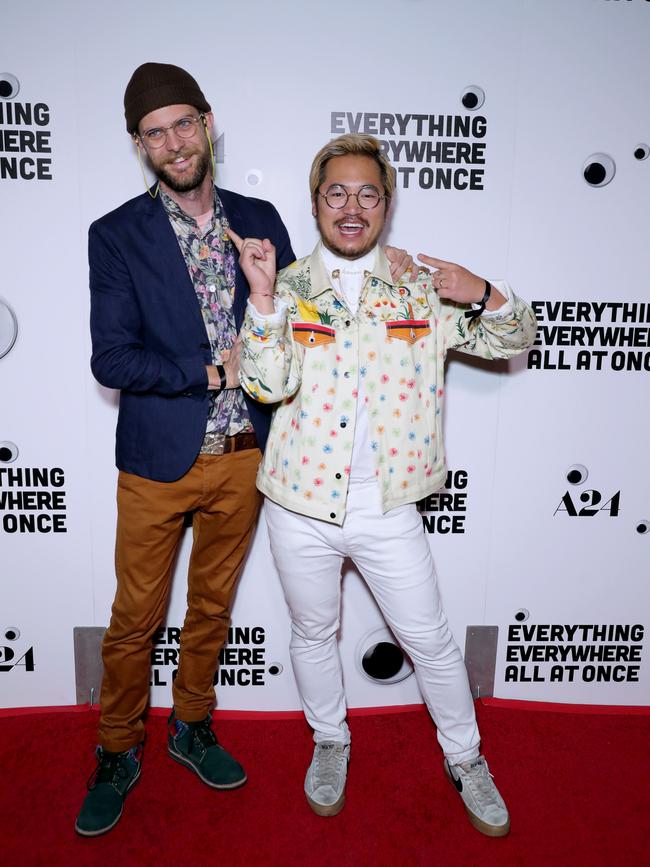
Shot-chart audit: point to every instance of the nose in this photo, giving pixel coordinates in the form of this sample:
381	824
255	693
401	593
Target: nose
173	142
352	205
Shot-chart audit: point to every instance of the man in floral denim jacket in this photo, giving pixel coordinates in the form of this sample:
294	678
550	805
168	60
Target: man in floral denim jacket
355	362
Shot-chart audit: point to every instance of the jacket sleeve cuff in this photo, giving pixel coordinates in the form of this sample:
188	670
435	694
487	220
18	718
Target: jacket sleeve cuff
264	322
195	375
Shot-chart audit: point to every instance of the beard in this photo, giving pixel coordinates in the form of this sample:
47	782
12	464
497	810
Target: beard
353	249
186	182
344	251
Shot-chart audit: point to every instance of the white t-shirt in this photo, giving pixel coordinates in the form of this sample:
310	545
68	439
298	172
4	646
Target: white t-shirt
348	276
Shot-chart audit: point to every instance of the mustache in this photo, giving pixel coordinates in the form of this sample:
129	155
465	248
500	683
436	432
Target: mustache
345	220
185	153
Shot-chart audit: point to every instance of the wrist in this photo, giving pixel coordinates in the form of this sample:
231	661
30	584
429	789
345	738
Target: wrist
221	370
483	290
476	312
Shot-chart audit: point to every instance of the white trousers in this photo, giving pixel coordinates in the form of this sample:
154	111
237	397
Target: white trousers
393	555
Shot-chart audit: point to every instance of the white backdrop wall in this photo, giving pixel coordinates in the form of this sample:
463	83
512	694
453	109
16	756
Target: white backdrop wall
548	454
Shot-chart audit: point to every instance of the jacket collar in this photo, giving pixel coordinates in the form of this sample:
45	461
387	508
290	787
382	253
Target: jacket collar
320	279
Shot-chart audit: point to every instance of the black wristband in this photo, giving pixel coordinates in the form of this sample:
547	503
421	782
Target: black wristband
222	376
474	314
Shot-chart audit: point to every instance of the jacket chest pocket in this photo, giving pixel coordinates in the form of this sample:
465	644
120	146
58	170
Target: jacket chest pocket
410	330
312	334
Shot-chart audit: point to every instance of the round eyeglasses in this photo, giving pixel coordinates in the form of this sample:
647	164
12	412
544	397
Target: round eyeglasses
184	127
337	197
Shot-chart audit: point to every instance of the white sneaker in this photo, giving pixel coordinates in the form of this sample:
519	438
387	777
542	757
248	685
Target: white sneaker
325	780
485	807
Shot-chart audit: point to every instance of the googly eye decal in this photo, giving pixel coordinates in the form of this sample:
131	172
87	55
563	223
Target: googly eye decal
8	452
9	86
598	170
641	152
473	97
8	328
577	474
379	658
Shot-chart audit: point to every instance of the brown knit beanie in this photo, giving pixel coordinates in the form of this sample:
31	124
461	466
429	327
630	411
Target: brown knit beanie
155	85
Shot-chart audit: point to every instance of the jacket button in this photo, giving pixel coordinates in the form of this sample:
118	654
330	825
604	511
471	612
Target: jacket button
347	322
338	475
204	346
332	514
344	424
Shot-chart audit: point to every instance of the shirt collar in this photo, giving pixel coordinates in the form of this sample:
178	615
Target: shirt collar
335	264
321	280
175	212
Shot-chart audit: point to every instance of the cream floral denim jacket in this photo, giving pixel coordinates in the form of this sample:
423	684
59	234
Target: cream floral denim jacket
311	356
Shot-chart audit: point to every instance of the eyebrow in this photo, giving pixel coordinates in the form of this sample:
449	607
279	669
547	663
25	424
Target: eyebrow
344	186
163	126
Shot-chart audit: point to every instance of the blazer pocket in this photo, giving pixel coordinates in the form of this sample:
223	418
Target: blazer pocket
312	334
410	330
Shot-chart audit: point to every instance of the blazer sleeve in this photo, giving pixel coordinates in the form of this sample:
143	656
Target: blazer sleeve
283	251
119	356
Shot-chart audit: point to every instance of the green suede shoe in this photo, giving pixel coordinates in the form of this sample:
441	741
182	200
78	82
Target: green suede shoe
113	778
195	745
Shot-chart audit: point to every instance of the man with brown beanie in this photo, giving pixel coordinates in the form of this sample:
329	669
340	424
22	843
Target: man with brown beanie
167	301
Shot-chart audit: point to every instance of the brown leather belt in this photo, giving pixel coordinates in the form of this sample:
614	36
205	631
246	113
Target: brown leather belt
239	442
218	444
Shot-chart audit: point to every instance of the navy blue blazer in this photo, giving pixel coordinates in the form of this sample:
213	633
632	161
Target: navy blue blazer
148	335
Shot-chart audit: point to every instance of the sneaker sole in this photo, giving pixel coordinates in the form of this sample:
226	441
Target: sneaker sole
329	809
105	830
178	757
479	824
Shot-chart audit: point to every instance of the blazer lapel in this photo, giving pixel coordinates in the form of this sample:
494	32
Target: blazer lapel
160	235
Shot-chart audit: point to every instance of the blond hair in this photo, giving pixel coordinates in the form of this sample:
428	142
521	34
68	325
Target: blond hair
354	144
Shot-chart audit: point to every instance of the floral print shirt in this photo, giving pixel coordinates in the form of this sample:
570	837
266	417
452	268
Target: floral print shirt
210	260
313	353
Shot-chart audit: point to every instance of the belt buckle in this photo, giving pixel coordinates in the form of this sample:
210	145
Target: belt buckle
213	444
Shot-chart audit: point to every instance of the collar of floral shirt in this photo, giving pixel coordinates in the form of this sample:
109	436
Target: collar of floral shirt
174	209
320	280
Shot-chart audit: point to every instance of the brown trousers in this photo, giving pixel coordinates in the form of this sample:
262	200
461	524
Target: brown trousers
220	489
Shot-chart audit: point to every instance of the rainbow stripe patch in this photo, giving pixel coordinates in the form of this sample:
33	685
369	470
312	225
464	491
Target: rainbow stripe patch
311	334
410	330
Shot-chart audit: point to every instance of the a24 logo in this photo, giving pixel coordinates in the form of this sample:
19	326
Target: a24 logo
8	656
592	500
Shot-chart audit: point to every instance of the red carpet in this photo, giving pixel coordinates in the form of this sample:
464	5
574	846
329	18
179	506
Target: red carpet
576	786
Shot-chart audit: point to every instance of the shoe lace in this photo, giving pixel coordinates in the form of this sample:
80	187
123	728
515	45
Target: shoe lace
481	781
111	768
329	760
201	732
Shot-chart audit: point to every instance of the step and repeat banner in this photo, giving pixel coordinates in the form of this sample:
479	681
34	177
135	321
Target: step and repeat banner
520	134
